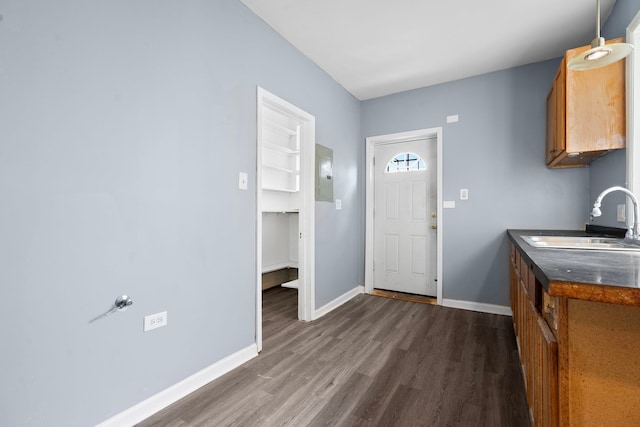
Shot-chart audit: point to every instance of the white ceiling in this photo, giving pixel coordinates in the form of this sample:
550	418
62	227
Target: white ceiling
379	47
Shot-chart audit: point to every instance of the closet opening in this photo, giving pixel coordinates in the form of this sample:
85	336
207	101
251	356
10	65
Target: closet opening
285	196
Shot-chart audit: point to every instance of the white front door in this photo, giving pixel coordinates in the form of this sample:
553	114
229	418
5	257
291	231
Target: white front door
405	194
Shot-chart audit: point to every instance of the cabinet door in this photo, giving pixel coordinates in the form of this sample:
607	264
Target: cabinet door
513	294
559	140
552	121
556	117
595	106
529	358
546	376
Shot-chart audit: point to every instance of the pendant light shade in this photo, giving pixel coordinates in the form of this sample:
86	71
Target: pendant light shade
600	54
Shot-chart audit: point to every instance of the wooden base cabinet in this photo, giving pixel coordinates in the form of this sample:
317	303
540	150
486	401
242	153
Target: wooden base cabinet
537	345
580	358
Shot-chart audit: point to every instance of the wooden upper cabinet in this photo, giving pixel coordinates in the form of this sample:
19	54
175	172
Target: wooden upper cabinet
586	113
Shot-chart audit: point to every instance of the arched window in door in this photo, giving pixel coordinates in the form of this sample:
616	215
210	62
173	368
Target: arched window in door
406	162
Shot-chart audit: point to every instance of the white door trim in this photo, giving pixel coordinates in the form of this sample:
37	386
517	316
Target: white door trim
369	204
306	290
633	106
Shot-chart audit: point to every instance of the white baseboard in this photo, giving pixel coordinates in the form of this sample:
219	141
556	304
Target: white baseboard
157	402
477	306
337	302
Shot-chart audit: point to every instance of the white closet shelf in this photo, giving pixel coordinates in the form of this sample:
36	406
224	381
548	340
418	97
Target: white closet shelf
280	128
281	211
289	171
279	148
286	190
292	284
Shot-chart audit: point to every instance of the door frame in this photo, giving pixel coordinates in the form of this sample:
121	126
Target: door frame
633	107
306	221
371	142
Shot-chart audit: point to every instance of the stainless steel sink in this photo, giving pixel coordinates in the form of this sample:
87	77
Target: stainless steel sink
578	242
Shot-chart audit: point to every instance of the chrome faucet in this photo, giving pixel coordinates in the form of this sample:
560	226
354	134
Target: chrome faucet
633	231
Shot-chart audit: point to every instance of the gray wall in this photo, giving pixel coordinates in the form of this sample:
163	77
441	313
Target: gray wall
605	172
611	169
496	150
124	126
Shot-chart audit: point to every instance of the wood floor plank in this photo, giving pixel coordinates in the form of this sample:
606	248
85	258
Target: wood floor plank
398	406
339	408
371	362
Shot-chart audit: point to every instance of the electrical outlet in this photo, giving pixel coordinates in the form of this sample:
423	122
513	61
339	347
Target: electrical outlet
154	321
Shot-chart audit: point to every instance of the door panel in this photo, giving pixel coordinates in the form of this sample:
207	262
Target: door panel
418	255
391	194
404	241
391	253
418	201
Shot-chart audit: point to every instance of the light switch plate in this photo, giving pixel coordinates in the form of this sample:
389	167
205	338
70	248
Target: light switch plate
622	213
464	194
453	119
338	204
243	181
449	204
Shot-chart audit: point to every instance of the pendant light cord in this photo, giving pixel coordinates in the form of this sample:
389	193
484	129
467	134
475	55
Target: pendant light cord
598	18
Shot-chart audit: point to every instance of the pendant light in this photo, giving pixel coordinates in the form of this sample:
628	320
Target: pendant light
600	54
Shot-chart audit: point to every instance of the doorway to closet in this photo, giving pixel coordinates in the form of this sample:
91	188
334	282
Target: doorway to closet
285	214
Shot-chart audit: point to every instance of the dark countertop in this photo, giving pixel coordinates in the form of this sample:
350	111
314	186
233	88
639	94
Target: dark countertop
605	276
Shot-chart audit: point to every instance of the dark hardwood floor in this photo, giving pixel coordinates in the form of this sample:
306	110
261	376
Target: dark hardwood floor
371	362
